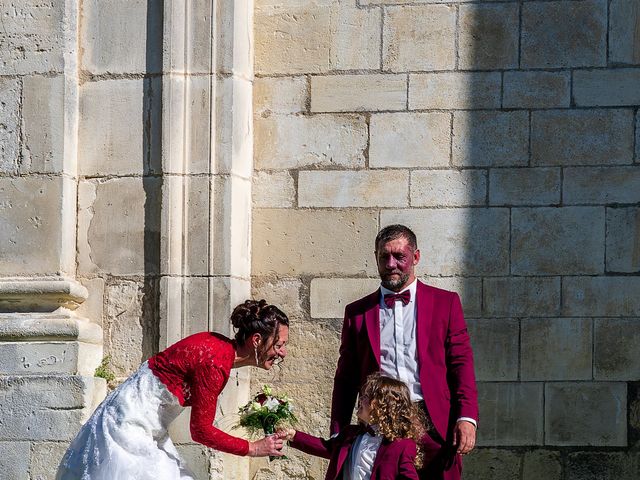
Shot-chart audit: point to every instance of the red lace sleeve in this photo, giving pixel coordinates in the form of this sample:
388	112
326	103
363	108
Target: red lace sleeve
205	387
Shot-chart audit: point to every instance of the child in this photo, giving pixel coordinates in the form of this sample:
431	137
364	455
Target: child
383	444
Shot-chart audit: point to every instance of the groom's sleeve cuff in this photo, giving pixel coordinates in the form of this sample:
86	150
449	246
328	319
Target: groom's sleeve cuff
468	419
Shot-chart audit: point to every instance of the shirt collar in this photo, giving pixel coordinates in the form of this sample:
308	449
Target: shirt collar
411	287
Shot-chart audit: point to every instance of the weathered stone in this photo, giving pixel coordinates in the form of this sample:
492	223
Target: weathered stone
33	38
31	212
457	241
536	89
320	140
292	40
488	37
601	296
556	349
273	189
125	247
570	422
615	88
197	459
40	358
469	289
493	463
581	137
329	296
111	34
490	138
454	90
432	188
279	95
45	459
521	296
538	464
624	24
355	38
616	346
9	124
297	242
524	186
355	93
623	233
14	460
603	465
598	185
196	237
511	413
197	143
362	188
560	34
495	348
549	241
419	38
285	293
410	140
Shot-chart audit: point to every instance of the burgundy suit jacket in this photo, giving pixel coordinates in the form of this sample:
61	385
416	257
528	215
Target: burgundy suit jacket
445	359
394	460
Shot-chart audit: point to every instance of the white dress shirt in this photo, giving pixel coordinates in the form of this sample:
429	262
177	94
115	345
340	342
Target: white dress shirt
361	457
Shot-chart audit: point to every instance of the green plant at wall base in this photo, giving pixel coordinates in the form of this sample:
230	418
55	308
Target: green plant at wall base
103	370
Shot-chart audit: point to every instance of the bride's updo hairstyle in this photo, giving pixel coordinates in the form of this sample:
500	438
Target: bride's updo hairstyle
254	316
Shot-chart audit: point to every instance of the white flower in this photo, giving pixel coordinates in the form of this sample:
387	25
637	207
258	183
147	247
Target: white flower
271	404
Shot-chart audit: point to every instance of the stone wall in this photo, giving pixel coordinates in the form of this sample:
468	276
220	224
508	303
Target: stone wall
506	135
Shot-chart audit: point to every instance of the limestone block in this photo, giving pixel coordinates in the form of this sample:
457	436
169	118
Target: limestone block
521	296
469	289
361	188
355	93
570	422
598	185
410	140
45	459
548	241
329	296
623	232
125	246
43	119
581	137
14	460
319	140
419	38
601	296
460	188
197	459
40	294
590	465
495	348
285	293
92	308
292	40
41	358
536	89
624	24
31	211
196	234
524	186
457	241
280	95
454	90
556	349
539	464
296	242
637	153
117	36
490	138
195	149
488	37
511	413
615	88
273	190
616	346
493	463
10	121
47	407
562	34
196	304
355	38
33	36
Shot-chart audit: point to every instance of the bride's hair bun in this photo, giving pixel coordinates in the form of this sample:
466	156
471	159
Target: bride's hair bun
256	316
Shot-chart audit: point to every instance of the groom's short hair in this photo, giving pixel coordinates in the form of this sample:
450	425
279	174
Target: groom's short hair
391	232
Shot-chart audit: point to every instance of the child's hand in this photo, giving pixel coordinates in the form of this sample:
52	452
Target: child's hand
285	433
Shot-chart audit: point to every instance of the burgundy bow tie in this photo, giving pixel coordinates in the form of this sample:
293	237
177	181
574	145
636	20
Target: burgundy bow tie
390	298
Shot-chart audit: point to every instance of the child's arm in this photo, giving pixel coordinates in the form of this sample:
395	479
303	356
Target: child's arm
406	467
308	443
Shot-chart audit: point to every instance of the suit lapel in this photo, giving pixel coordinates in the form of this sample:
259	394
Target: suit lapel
424	316
372	321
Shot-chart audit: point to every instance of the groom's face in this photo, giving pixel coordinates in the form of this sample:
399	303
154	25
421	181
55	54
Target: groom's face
396	261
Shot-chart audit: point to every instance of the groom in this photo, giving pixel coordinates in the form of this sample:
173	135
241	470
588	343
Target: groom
415	333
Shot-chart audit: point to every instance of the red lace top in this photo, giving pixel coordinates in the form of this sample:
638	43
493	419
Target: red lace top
195	370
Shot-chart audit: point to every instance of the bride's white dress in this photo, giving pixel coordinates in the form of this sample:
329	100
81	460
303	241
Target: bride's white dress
127	437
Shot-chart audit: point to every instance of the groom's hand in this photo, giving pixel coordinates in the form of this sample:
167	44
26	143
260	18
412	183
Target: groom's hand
464	436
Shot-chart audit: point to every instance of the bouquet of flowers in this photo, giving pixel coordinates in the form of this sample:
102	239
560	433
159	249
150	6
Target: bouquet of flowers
265	412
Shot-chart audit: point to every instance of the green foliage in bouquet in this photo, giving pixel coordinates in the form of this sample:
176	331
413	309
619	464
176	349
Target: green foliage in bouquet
266	411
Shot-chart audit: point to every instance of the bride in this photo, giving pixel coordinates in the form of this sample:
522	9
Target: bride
126	437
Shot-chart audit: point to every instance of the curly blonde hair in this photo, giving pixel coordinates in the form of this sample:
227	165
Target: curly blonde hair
393	412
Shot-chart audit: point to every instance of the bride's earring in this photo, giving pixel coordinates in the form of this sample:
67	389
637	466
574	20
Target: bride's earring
255	352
